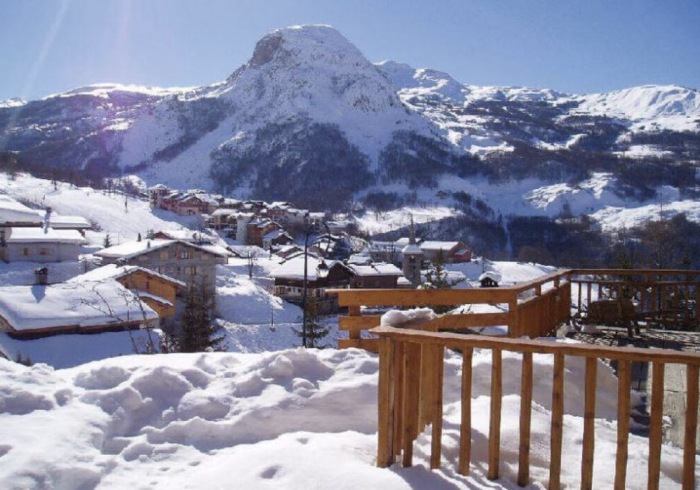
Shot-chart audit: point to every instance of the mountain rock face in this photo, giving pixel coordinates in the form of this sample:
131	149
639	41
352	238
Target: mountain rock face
309	120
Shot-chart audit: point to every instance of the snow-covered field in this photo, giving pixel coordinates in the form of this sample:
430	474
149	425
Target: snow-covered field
293	419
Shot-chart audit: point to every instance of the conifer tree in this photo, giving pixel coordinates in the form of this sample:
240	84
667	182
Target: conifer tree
197	332
437	278
315	330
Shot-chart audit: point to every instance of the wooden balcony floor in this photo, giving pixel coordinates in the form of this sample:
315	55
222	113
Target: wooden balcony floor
648	338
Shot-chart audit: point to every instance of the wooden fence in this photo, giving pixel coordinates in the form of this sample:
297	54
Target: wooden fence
411	377
663	297
411	373
533	308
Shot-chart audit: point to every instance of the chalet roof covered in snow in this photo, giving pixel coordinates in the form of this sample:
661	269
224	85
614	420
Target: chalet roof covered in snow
196	237
493	275
375	269
12	211
42	235
134	249
294	268
85	304
434	246
412	248
114	271
57	221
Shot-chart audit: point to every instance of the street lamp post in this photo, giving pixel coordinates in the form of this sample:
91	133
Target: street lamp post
321	272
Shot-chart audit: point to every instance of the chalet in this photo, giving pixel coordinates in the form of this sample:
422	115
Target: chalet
194	204
223	218
334	246
156	195
385	252
289	281
72	307
451	251
276	238
229	203
287	251
156	290
257	229
40	244
65	222
277	211
375	275
490	279
178	259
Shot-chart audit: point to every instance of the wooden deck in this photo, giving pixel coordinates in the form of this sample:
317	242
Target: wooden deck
411	370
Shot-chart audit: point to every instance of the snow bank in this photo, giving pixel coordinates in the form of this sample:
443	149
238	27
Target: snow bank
291	419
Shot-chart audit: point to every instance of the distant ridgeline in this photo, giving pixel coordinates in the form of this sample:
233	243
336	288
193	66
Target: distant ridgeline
310	120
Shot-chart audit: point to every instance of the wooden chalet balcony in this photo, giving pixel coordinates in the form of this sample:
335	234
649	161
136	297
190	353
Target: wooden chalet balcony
412	374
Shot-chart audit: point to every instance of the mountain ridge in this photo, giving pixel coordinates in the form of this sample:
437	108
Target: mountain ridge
308	109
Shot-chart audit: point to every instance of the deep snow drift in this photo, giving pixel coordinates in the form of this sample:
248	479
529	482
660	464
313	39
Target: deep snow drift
289	419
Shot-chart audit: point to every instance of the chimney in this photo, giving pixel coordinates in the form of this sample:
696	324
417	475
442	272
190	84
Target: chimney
41	276
47	219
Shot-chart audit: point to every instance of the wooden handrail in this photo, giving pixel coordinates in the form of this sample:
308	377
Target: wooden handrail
532	308
410	388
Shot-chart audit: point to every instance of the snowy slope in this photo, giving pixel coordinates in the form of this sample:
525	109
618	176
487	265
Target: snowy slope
294	419
122	217
656	106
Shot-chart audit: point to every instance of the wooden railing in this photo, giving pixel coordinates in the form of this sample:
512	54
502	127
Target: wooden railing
663	297
533	308
411	378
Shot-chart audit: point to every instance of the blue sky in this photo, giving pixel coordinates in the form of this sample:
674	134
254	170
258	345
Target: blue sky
50	46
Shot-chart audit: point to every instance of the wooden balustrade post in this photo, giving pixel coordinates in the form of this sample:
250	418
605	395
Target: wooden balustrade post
514	329
691	427
579	296
385	419
495	415
411	406
424	412
438	358
399	375
465	431
525	419
354	310
556	432
656	424
624	385
589	423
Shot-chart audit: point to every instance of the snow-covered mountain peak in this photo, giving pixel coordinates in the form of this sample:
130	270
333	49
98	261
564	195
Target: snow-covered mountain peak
299	44
311	71
13	102
423	81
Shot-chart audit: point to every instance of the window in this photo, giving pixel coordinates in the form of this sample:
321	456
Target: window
26	252
44	251
164	254
186	254
191	271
